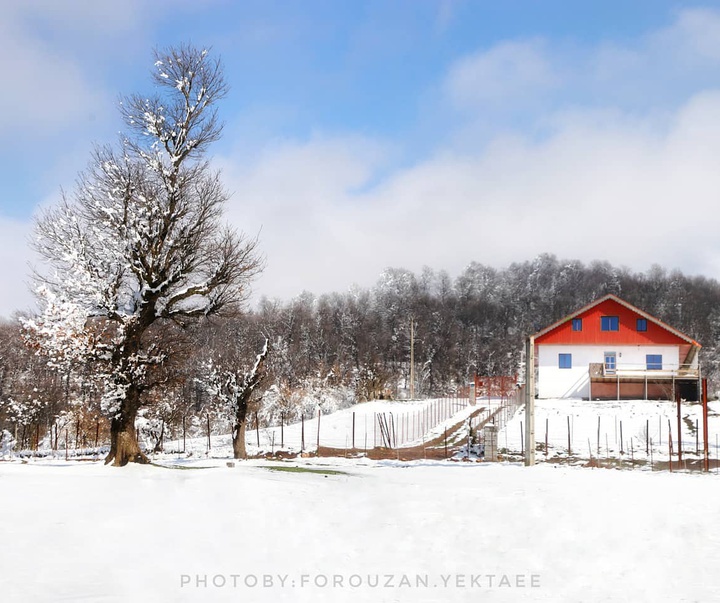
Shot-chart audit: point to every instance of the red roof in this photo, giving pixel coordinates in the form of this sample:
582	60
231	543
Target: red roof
657	332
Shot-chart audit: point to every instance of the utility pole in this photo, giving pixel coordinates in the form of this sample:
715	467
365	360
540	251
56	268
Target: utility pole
412	359
530	401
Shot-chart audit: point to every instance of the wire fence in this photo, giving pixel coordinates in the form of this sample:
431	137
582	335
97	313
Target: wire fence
647	435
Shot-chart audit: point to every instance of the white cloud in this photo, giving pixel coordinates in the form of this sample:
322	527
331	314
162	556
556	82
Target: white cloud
696	33
505	74
45	92
618	189
296	193
528	79
53	54
15	254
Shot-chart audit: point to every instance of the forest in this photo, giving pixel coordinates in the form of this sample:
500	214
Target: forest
333	350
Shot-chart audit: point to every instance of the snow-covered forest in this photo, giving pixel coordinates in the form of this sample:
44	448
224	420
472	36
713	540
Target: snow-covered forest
333	350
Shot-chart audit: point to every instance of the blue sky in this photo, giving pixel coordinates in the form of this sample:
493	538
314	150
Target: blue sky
361	135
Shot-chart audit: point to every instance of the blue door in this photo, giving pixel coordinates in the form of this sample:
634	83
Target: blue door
610	363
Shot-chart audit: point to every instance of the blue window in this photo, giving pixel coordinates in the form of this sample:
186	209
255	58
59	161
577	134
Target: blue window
577	324
654	362
609	323
565	361
641	324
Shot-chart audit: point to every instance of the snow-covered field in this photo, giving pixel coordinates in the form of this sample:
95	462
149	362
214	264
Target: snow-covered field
351	529
379	531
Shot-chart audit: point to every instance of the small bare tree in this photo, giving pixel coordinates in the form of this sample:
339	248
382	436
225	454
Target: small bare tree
139	245
233	388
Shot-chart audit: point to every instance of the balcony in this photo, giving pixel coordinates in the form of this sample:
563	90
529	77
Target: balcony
599	372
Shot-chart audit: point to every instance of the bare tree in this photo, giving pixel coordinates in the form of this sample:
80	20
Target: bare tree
139	245
234	387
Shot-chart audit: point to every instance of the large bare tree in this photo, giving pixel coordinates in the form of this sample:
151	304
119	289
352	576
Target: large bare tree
139	245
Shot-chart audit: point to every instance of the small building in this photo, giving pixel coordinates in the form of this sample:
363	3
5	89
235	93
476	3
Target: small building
610	349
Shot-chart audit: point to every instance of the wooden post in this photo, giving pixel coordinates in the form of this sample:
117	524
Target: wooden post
670	446
446	453
353	431
530	401
647	436
257	428
184	433
208	432
66	444
318	429
375	420
697	438
282	430
706	434
651	455
97	432
412	359
679	422
569	444
302	432
392	432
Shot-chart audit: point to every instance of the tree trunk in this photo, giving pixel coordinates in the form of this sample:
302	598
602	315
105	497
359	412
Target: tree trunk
239	451
124	447
241	411
243	395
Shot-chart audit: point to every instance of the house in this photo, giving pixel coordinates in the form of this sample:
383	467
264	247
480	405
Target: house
610	349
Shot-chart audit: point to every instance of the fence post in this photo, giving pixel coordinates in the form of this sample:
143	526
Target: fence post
670	446
569	444
318	429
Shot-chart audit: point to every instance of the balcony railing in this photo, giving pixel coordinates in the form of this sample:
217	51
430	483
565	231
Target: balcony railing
628	371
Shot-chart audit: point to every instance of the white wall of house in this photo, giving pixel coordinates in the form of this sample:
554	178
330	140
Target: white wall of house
554	382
